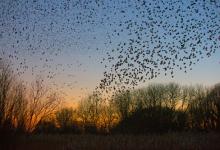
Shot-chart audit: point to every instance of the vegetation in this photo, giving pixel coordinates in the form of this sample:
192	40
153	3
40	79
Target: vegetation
155	109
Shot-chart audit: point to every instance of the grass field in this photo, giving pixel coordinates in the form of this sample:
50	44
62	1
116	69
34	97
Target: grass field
174	141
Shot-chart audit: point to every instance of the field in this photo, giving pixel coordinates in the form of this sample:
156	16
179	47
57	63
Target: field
175	141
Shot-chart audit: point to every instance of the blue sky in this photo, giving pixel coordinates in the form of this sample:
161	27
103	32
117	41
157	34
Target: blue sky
46	37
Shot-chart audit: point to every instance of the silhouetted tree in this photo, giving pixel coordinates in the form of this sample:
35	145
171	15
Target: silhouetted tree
46	126
123	103
89	112
108	117
42	103
66	121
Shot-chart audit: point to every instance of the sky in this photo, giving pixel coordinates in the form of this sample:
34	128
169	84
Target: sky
65	41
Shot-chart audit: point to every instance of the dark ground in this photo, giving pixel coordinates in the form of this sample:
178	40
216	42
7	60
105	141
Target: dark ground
169	141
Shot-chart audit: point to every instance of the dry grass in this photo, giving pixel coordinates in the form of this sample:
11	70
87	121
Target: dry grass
175	141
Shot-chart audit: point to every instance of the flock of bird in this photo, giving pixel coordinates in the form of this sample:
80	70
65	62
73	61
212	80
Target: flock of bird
163	37
141	39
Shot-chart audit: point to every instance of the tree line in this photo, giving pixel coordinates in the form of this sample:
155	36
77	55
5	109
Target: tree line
157	108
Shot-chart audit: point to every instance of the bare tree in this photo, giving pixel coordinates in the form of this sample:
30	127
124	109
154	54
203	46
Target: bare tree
42	103
64	118
108	116
123	103
6	79
173	95
17	109
89	109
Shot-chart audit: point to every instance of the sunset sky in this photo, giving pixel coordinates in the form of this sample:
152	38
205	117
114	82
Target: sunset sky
65	42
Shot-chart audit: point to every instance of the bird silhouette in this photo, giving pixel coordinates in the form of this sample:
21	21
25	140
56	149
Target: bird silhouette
136	40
